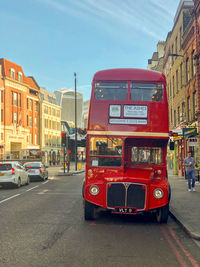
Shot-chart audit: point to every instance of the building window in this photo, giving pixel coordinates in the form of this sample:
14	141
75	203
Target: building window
180	43
27	120
27	103
183	111
36	124
2	96
172	53
176	48
177	83
36	106
178	115
15	100
20	76
36	139
171	116
192	64
188	109
15	119
31	104
173	89
181	70
187	74
174	118
31	121
20	100
2	115
194	104
12	73
170	89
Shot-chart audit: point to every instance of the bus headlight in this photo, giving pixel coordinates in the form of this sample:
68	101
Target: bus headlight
94	190
158	193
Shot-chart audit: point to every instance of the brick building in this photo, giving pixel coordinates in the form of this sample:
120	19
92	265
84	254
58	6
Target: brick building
19	112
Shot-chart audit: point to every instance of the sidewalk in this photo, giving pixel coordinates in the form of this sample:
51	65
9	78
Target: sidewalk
59	170
184	205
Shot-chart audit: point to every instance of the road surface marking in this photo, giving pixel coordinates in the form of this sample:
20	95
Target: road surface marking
9	198
45	182
32	188
187	254
43	191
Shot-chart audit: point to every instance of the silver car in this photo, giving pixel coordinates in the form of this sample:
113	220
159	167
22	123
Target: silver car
36	170
13	173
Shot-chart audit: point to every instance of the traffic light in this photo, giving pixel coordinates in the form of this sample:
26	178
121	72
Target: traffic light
64	139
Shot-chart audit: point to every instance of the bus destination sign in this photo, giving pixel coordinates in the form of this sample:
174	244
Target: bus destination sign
135	111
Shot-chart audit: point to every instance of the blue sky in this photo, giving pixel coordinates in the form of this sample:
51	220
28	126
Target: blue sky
52	39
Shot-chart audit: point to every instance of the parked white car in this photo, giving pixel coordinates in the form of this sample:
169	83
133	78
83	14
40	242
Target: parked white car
13	173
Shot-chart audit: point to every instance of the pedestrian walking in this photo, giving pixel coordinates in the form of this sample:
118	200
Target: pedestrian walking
189	163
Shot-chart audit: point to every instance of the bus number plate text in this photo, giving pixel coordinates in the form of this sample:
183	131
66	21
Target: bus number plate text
125	210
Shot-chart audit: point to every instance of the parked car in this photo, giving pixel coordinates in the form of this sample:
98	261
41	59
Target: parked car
36	170
13	173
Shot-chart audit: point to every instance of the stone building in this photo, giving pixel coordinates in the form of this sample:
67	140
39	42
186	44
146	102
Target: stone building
50	127
156	62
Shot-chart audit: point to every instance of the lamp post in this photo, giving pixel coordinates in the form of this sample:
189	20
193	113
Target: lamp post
75	104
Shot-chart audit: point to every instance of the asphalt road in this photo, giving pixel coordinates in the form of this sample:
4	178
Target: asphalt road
42	225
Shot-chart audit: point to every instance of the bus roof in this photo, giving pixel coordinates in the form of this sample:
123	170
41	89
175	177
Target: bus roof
129	74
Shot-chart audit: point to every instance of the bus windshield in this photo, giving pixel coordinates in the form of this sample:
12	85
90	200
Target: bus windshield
111	91
146	155
147	91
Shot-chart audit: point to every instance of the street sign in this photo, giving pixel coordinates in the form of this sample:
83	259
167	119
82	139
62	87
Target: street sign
189	132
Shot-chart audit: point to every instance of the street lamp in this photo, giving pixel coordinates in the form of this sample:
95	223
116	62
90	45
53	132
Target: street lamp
75	124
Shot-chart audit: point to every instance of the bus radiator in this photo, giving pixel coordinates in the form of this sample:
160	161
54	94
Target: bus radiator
126	195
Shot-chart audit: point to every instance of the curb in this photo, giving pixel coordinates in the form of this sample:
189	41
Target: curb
69	173
183	224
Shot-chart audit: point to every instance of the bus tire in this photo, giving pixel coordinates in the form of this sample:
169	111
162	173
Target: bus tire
169	197
162	214
83	190
89	211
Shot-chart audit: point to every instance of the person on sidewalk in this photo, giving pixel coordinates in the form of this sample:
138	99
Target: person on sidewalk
189	163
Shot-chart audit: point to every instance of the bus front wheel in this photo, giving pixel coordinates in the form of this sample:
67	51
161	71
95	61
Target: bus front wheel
162	214
89	211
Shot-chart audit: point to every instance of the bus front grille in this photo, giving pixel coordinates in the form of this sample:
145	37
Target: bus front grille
126	195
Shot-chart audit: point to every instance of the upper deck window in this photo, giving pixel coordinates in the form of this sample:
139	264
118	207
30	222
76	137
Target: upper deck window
147	91
111	91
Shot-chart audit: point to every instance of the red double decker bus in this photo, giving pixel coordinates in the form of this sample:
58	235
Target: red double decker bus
127	137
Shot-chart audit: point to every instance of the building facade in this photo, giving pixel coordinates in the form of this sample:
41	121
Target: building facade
66	99
19	113
50	128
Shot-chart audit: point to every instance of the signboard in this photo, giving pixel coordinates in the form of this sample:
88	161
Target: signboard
189	132
193	142
115	111
135	111
176	138
128	121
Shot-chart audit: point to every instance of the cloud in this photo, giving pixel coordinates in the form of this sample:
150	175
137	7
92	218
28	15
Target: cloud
130	14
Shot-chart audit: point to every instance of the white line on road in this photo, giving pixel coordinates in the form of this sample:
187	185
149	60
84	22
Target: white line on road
32	188
9	198
45	182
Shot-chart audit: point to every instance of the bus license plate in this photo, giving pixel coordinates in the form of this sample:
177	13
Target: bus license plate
125	210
